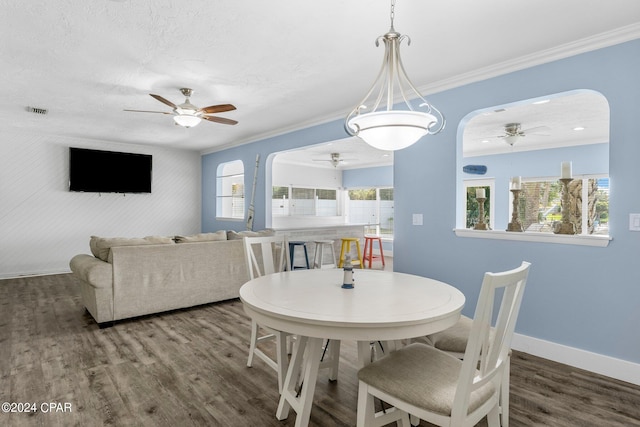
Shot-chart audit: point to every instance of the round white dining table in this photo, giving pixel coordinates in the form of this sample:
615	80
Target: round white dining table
313	305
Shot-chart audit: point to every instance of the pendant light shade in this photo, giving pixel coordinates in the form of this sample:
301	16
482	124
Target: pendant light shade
392	130
374	119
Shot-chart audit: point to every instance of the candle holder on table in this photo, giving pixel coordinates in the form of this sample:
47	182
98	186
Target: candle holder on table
566	226
515	224
481	225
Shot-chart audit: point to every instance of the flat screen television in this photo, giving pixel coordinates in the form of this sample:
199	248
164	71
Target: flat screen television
101	171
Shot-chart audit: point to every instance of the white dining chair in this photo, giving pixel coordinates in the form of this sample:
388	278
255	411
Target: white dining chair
432	385
454	341
268	255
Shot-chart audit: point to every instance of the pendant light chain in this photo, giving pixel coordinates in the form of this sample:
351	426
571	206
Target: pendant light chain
393	13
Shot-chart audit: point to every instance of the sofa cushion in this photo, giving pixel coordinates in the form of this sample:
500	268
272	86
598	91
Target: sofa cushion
103	245
202	237
238	235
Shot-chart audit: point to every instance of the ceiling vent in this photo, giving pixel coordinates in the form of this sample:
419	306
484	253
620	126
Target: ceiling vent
37	110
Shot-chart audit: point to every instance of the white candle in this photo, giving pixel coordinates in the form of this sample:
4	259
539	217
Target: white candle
480	193
516	183
565	170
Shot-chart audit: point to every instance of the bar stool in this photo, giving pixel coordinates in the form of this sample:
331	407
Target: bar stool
368	249
292	252
346	248
319	256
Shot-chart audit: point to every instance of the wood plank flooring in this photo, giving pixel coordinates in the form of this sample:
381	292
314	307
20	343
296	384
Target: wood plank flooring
188	368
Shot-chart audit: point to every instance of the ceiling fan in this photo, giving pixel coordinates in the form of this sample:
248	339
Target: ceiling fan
188	115
334	159
513	132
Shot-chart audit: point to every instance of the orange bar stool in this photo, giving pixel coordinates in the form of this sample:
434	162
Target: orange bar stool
346	248
368	249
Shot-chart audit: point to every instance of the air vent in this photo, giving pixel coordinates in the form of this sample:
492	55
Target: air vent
37	110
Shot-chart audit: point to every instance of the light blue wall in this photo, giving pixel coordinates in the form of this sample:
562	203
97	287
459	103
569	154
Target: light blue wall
381	176
579	296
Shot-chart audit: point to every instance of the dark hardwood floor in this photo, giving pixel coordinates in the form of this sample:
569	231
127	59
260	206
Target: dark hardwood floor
188	367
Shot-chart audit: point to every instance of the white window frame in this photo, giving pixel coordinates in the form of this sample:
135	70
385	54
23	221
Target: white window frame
228	205
482	182
289	207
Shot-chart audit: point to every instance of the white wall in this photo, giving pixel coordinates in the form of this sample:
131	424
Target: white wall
43	225
303	176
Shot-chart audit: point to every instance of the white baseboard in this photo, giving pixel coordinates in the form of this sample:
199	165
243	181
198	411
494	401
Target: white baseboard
604	365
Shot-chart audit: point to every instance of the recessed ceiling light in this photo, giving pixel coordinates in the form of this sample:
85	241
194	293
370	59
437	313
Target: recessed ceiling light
542	101
484	141
578	128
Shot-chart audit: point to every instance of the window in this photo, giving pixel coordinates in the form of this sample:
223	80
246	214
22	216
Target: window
374	207
304	201
540	203
230	190
472	212
280	201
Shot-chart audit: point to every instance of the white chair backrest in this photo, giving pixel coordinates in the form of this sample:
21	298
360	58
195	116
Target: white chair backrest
266	255
486	353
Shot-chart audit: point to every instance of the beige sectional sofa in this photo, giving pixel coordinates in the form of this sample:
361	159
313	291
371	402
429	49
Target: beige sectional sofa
129	277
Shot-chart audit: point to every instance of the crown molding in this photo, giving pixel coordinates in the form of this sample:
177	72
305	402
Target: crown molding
598	41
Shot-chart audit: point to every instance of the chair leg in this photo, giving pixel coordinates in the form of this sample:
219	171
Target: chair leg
342	252
359	253
381	252
504	394
367	251
493	417
366	409
254	341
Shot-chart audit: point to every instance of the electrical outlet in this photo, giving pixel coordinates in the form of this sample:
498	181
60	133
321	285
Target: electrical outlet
417	219
634	222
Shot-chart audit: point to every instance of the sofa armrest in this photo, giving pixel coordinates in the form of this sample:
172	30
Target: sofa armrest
92	270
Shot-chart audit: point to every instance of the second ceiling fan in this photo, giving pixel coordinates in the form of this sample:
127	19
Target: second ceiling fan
334	159
513	132
188	115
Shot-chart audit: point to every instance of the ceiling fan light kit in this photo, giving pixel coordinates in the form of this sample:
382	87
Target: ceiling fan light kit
511	139
187	120
375	121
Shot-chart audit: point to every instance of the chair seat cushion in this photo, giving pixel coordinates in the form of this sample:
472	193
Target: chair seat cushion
422	376
455	338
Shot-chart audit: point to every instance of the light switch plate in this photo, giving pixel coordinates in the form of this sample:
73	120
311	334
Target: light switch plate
634	222
417	219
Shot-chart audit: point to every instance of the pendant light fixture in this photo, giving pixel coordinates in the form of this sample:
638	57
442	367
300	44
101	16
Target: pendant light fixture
374	119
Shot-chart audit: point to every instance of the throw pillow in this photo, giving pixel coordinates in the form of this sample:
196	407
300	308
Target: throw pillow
238	235
104	244
202	237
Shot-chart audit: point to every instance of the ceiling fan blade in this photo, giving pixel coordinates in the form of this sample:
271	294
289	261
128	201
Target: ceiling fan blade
164	101
220	120
537	129
217	108
145	111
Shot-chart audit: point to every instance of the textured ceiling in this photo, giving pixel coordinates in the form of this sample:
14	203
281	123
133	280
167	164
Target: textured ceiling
284	64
